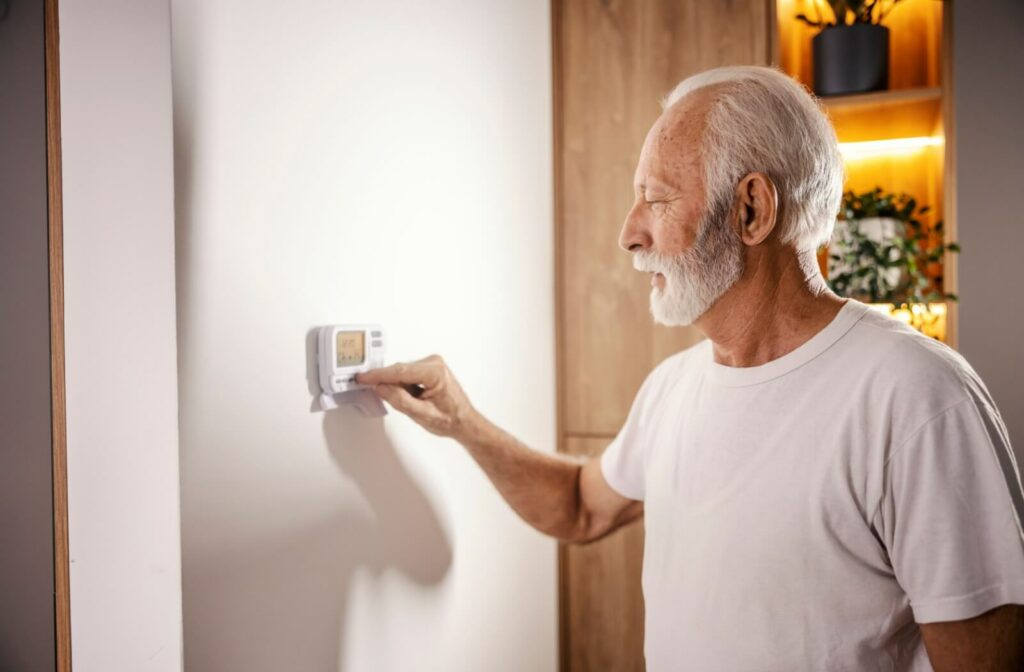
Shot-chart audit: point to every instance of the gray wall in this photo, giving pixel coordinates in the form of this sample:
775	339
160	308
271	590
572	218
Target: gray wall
988	56
26	520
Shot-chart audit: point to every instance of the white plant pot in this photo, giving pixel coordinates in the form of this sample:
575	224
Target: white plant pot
877	229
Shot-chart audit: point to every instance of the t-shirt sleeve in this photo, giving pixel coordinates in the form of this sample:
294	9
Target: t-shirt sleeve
622	462
951	514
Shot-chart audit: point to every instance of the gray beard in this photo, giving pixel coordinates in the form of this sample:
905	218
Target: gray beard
698	277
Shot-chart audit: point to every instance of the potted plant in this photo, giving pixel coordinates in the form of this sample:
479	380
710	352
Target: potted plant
881	253
851	51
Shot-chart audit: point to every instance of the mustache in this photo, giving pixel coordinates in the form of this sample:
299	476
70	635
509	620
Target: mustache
652	262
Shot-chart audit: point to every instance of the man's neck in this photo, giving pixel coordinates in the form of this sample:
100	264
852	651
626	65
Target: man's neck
777	305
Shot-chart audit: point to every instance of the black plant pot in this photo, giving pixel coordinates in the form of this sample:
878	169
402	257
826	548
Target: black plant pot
851	59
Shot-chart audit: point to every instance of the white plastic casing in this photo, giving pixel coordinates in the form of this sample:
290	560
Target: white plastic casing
335	379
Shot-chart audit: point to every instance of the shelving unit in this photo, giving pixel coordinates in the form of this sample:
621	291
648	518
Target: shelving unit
899	139
884	98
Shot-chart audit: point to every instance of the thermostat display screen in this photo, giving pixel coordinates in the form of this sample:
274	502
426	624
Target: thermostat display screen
351	348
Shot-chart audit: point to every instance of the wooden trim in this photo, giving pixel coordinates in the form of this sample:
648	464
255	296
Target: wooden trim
62	596
950	278
774	42
557	128
557	132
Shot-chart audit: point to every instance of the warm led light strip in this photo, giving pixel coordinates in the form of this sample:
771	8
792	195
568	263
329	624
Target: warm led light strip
854	150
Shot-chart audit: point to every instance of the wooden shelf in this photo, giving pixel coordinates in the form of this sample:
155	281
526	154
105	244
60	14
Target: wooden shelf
886	115
879	99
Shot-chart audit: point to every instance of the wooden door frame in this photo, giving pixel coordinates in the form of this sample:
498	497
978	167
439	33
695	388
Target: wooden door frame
58	414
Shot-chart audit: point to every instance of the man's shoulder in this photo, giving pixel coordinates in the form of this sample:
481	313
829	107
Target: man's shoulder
894	346
907	369
672	368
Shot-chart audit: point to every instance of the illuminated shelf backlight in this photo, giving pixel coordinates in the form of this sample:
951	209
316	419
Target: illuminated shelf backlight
857	150
928	318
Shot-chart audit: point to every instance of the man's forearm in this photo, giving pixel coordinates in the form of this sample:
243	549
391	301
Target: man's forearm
543	488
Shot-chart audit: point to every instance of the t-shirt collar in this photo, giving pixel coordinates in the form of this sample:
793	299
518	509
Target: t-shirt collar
734	376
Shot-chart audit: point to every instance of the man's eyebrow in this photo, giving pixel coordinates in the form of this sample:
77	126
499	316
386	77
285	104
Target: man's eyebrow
655	182
654	185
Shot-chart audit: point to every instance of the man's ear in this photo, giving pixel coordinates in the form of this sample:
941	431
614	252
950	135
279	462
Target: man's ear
757	205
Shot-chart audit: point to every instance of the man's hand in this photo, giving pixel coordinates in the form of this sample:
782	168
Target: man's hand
428	393
565	497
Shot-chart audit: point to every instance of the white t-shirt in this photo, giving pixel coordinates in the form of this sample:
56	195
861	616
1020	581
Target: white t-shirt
803	514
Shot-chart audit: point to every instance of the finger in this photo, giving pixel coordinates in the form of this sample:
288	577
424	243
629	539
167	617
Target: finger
401	400
419	391
436	365
422	373
428	392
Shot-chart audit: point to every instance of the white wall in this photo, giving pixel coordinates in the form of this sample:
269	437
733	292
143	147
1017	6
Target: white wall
352	161
120	313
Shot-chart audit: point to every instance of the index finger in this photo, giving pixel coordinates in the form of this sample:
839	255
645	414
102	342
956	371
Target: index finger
403	373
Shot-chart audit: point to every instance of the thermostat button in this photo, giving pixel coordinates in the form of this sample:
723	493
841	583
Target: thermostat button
375	334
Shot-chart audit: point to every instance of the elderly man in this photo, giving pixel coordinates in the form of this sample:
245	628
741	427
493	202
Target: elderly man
823	488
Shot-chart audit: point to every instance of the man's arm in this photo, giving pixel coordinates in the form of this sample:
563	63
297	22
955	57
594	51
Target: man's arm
565	497
991	642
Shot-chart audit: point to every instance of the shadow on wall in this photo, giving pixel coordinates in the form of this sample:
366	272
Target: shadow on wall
283	606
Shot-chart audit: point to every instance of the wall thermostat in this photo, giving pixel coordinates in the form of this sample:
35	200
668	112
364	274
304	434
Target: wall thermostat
343	350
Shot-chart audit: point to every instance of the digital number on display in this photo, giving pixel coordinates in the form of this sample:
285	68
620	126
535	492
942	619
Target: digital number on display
351	348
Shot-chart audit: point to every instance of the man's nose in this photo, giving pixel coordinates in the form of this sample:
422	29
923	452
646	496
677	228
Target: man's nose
634	234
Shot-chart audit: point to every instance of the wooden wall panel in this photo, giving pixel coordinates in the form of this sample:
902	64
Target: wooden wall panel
605	606
615	61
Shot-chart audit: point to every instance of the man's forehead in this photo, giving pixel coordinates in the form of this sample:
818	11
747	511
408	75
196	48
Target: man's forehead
671	148
667	154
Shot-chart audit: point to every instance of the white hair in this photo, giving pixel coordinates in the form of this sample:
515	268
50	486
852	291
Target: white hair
761	120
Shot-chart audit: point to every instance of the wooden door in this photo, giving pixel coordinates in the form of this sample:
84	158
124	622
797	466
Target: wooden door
613	62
